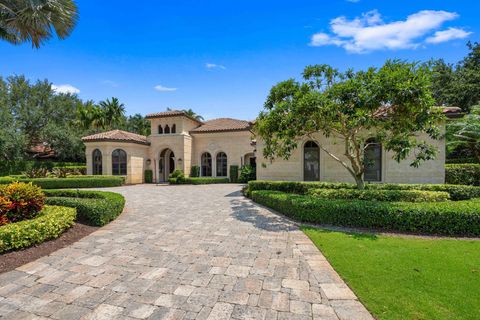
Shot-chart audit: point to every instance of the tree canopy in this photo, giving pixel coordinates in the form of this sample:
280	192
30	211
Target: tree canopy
391	104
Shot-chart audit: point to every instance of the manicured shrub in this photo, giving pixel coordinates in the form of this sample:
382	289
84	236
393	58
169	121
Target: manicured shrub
195	172
148	176
247	173
381	195
49	224
5	206
93	207
36	173
201	180
468	174
70	182
22	201
454	218
62	172
233	173
176	177
461	160
457	192
19	166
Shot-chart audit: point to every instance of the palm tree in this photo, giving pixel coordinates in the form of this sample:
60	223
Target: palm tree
35	21
114	112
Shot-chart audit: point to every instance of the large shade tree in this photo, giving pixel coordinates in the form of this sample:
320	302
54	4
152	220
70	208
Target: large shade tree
392	104
36	21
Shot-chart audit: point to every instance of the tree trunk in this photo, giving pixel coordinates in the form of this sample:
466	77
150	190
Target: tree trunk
360	182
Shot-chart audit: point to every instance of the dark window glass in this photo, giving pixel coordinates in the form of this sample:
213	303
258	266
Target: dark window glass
311	162
167	129
373	161
160	130
206	165
221	164
174	128
119	162
97	162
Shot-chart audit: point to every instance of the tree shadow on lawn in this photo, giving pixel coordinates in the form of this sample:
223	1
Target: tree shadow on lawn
359	235
246	211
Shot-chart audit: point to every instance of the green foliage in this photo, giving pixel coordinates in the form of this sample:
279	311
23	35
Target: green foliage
453	218
69	170
201	180
460	160
247	173
36	173
148	176
49	224
456	192
19	166
24	201
70	182
195	172
381	195
93	207
392	104
176	177
468	174
464	134
233	173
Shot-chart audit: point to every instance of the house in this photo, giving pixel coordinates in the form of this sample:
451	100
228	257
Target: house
179	141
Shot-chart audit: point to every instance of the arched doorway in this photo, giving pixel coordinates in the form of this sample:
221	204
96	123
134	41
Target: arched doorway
311	161
167	164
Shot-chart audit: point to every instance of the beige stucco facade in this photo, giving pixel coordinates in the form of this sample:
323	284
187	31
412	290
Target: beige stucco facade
162	152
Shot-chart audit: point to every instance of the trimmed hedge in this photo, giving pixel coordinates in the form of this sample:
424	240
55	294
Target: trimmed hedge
453	218
19	166
70	182
457	192
195	172
93	207
381	195
50	224
148	176
468	174
201	180
233	173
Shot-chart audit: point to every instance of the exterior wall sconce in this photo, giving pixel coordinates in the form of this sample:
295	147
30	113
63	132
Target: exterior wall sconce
148	162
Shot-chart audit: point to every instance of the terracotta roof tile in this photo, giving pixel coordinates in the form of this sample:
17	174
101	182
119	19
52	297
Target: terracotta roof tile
117	135
223	124
170	113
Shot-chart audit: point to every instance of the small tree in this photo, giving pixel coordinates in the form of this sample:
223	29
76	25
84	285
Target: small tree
465	134
392	104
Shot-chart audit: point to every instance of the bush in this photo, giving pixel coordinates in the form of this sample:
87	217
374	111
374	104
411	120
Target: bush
460	218
201	180
19	166
176	177
148	176
36	173
468	174
93	207
69	170
195	172
70	182
49	224
233	174
457	192
247	173
381	195
21	201
461	160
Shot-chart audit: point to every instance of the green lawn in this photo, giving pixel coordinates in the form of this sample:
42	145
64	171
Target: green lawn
406	278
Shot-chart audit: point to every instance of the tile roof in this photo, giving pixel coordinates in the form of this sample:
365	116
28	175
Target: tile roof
170	113
222	125
117	135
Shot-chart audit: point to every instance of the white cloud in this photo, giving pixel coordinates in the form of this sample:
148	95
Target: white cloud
164	89
110	83
447	35
369	32
354	1
65	88
211	66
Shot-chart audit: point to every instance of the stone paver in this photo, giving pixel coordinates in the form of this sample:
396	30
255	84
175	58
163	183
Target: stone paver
183	252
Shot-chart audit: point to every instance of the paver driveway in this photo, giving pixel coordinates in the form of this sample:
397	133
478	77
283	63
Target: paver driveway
183	252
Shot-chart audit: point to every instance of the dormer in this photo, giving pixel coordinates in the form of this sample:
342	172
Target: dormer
172	122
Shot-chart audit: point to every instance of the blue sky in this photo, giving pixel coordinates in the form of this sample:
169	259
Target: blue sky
220	58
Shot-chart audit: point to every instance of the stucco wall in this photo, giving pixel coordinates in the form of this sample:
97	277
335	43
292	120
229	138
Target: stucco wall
183	124
136	158
235	144
330	170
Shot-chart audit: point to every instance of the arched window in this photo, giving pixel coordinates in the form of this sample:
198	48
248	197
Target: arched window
373	161
167	129
221	164
97	162
311	161
119	162
174	128
160	129
206	165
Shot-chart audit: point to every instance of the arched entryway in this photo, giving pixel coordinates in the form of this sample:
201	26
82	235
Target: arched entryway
166	165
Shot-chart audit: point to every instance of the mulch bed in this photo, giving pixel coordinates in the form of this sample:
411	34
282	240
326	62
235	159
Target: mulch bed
14	259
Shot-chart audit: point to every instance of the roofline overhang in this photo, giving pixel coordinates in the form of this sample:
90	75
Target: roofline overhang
117	140
153	116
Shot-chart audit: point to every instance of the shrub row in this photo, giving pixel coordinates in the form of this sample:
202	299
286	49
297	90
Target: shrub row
148	176
50	224
461	160
457	192
201	180
381	195
70	182
468	174
19	166
460	218
93	207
